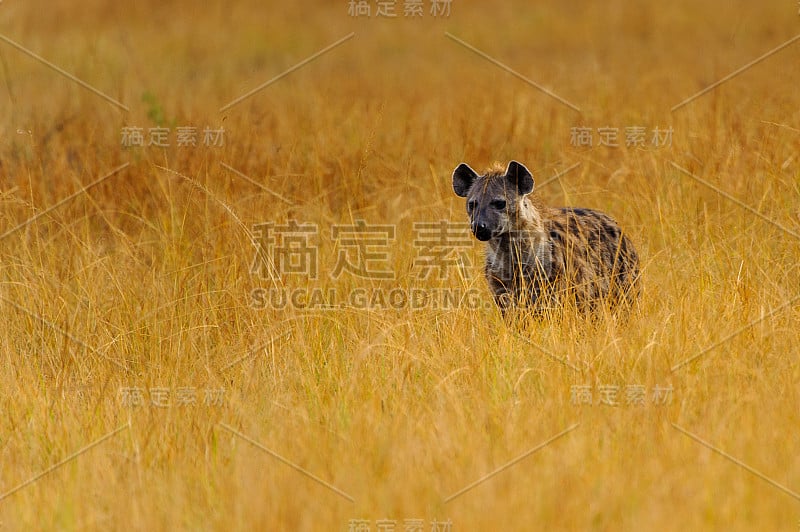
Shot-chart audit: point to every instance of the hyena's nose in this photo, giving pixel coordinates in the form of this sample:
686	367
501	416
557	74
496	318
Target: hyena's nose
482	232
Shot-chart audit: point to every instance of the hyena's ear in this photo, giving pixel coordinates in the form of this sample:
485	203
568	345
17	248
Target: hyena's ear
463	177
520	177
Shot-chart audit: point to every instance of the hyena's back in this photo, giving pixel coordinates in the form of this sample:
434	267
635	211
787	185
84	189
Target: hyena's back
591	257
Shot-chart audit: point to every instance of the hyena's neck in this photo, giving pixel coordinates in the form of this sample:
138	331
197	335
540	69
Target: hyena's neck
530	214
527	224
527	229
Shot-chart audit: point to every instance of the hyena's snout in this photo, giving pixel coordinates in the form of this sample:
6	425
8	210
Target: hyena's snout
481	230
488	222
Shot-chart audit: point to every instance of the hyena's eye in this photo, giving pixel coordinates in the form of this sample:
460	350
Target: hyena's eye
470	205
499	204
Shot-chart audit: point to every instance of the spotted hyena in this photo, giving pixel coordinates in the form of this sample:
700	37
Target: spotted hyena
541	257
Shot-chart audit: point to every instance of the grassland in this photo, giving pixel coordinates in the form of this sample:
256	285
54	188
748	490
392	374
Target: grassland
311	419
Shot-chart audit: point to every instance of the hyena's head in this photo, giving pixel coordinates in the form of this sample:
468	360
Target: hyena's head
493	199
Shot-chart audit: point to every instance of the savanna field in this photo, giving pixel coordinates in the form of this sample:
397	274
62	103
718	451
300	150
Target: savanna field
239	293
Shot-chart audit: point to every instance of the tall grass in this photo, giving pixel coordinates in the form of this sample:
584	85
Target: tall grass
143	283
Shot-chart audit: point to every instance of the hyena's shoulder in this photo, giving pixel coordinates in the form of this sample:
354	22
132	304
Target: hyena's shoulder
583	223
592	235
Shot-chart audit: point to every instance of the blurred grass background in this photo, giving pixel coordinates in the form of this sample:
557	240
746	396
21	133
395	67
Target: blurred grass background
144	280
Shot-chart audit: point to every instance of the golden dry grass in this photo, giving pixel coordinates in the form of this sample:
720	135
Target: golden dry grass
144	280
